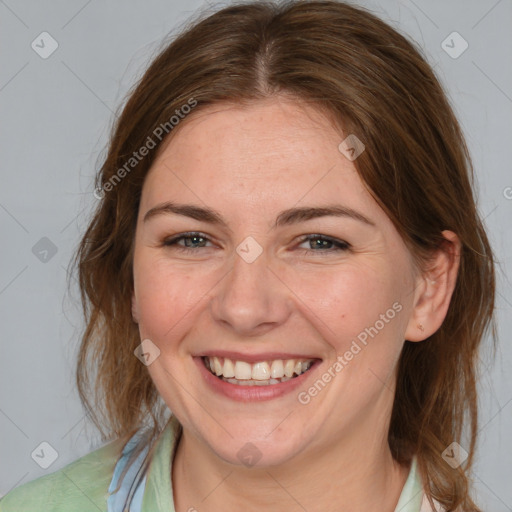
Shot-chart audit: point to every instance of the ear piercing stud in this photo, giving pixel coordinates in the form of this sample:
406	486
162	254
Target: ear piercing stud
420	327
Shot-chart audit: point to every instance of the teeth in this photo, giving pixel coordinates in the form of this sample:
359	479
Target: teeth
305	366
229	370
277	369
253	382
217	367
261	371
289	367
258	374
243	370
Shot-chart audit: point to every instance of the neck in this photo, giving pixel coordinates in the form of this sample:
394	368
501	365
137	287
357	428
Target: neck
336	479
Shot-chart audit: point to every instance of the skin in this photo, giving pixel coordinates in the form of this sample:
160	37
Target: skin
250	163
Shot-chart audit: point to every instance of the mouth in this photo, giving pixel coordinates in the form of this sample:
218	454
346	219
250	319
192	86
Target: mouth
262	373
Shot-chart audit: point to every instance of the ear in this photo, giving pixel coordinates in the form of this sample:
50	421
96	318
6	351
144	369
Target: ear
434	290
135	312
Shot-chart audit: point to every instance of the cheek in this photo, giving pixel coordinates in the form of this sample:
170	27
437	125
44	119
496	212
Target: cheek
348	300
359	314
166	297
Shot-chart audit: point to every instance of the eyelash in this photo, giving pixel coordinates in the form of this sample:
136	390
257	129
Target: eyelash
339	245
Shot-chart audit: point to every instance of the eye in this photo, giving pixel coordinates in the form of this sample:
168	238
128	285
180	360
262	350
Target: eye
323	243
192	241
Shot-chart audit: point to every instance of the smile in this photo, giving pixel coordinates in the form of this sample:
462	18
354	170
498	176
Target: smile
263	373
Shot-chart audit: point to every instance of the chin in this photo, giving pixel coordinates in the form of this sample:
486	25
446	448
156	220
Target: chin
253	445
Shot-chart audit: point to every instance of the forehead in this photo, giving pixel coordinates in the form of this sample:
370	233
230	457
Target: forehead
273	154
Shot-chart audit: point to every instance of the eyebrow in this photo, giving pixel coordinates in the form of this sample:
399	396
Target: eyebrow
285	218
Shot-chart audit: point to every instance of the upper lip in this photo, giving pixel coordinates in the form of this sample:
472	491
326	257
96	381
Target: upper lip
253	358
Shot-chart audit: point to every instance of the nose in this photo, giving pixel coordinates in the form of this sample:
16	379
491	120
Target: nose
251	299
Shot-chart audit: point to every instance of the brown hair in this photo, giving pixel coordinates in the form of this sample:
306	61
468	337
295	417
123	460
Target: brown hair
377	85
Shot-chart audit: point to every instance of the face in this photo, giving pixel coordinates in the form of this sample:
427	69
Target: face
241	270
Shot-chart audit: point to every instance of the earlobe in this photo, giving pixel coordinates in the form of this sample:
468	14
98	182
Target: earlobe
135	313
434	290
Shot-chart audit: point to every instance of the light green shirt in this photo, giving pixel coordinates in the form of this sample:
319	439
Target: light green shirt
82	486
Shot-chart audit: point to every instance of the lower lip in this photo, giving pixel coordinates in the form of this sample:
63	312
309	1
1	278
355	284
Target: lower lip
251	393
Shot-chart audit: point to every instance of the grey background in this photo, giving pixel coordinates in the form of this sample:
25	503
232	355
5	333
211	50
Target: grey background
55	119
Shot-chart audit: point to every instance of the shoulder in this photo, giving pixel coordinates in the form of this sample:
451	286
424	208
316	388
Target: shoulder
79	486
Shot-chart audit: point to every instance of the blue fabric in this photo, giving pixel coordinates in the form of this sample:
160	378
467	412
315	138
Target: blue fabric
116	502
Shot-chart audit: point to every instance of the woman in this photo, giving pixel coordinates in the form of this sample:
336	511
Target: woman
286	255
